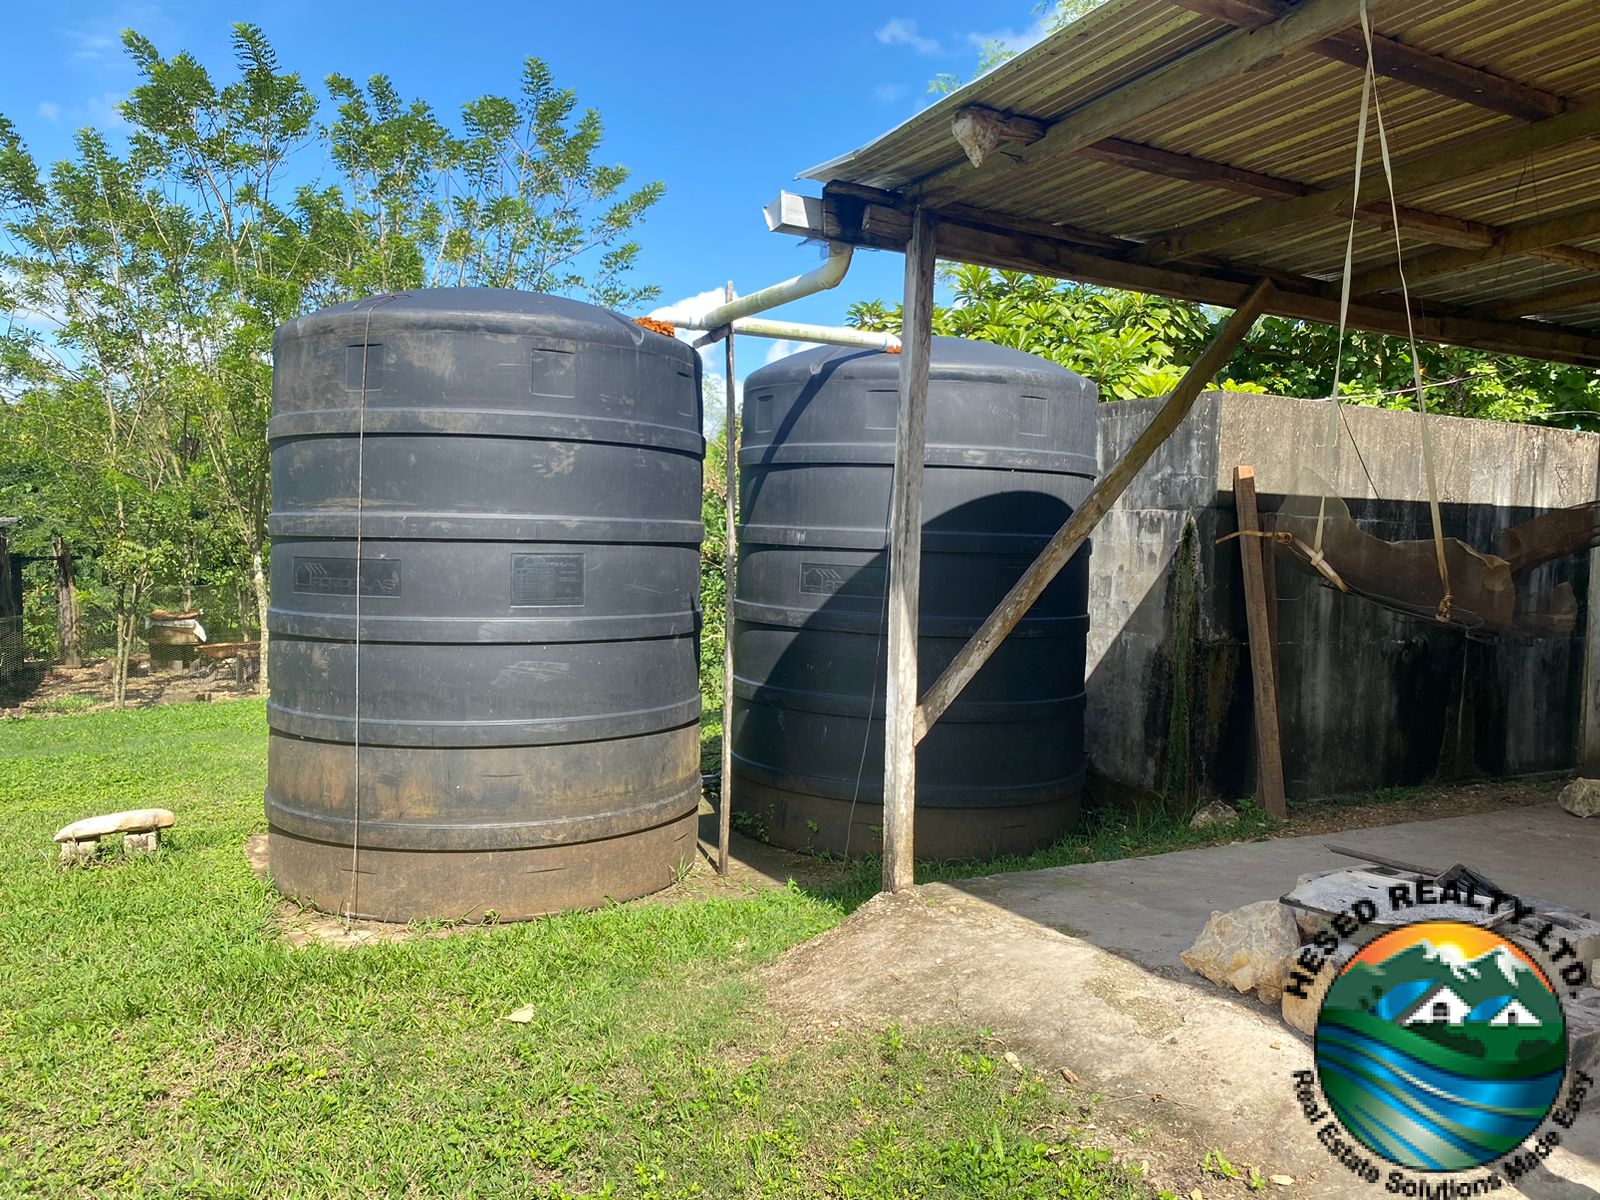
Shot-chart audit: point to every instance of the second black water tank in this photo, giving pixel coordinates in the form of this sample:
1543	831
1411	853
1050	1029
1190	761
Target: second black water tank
1011	450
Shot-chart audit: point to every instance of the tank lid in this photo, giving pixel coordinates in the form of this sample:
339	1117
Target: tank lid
487	309
952	358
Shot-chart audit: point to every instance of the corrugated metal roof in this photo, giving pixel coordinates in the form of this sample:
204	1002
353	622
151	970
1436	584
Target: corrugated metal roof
1292	116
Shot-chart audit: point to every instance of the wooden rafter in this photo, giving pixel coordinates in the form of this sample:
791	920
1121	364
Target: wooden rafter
1396	60
1511	240
1562	299
1434	227
1214	63
1568	256
1461	159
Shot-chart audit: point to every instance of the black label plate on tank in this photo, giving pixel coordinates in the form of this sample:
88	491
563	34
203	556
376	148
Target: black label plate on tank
840	579
546	580
337	576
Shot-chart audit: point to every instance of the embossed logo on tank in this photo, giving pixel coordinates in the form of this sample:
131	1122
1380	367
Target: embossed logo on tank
337	576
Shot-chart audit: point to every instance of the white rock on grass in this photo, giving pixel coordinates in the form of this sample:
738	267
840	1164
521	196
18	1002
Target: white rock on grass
138	820
1581	797
1214	815
1248	949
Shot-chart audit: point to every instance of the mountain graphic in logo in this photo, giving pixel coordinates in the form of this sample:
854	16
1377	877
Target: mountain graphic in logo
1441	1046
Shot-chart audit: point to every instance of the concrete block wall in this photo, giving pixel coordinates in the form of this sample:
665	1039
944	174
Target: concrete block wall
1369	698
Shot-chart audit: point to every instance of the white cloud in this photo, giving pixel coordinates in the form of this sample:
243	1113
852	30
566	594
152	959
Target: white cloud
105	111
50	111
688	306
902	31
889	93
1009	39
91	47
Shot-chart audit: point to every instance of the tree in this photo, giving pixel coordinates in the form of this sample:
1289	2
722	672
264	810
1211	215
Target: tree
1052	14
1136	345
144	286
1131	345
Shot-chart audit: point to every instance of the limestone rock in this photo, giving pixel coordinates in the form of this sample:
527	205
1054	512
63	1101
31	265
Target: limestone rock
139	820
141	843
1301	1012
73	853
1581	797
1248	949
1583	1031
1213	815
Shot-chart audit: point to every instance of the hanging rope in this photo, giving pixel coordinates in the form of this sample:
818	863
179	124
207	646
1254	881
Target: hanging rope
1370	103
1445	599
1330	460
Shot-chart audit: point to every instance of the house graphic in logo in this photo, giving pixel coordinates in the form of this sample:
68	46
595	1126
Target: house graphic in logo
1442	1006
1441	1047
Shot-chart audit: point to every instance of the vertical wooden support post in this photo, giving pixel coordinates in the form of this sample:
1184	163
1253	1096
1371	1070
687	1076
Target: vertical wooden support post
1589	716
729	566
1269	754
905	560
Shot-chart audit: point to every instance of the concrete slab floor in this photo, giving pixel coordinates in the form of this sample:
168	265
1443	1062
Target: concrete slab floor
1077	967
1148	910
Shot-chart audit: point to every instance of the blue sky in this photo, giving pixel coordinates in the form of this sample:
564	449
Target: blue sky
724	102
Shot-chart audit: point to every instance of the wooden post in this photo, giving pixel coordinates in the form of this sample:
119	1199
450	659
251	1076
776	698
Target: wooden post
971	657
1269	754
66	604
729	566
1589	709
905	560
12	650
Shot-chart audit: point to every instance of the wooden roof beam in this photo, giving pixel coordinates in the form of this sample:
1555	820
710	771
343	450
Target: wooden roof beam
1564	299
880	226
1516	239
1460	160
1434	227
1216	62
1396	60
1568	256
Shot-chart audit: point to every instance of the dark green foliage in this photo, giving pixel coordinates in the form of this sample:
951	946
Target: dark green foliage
142	287
1135	345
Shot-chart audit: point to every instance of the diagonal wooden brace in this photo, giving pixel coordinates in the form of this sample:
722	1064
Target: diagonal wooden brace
1071	536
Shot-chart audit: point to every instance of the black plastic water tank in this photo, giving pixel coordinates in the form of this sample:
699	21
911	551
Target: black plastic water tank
1011	450
521	474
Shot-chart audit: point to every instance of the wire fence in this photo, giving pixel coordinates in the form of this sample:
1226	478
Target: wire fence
13	650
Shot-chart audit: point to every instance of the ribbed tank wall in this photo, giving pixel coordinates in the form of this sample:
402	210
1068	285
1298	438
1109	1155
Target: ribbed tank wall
514	730
1011	450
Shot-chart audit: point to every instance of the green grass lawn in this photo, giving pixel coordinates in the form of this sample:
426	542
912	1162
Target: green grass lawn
158	1038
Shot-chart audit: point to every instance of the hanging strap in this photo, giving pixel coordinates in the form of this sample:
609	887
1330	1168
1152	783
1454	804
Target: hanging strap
1445	600
1330	461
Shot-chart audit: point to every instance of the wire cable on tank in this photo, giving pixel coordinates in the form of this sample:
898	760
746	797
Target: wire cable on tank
352	905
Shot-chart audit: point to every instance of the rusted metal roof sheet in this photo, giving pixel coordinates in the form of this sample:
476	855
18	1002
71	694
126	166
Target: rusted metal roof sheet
1292	117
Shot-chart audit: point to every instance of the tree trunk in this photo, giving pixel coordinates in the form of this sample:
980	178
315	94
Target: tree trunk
66	605
258	577
127	623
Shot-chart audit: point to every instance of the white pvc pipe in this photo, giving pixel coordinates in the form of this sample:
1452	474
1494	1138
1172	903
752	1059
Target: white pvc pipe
830	335
824	277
